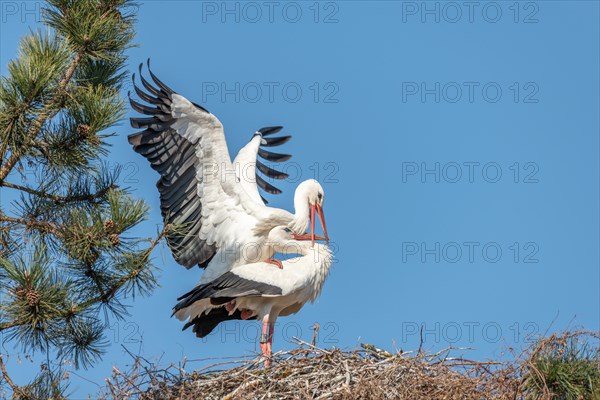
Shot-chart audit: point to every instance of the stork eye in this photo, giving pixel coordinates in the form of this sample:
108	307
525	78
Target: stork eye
288	230
320	196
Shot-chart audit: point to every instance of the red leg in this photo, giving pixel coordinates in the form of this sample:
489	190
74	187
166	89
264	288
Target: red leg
275	262
264	339
270	338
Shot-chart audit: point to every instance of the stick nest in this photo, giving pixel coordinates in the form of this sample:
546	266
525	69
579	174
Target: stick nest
309	372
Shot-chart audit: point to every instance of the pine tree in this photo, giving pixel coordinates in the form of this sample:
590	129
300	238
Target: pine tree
66	262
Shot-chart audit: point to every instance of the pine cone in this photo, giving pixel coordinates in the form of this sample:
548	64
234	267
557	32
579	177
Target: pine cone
85	133
83	130
33	297
109	226
114	239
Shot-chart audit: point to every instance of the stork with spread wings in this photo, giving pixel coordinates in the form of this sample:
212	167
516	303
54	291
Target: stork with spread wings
225	220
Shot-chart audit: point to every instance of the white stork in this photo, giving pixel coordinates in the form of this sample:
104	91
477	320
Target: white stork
259	291
226	223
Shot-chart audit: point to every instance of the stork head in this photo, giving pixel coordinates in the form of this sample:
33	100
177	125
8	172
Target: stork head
310	197
284	240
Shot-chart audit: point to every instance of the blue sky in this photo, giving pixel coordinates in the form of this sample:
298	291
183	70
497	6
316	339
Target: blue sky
458	148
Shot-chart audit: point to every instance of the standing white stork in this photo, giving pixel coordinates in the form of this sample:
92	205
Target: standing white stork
258	291
199	188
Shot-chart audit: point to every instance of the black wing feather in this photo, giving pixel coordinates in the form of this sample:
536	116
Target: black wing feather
161	85
276	141
143	95
270	172
204	324
270	156
270	130
275	157
266	186
228	285
174	158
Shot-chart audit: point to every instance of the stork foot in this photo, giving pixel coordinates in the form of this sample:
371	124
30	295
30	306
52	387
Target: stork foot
275	262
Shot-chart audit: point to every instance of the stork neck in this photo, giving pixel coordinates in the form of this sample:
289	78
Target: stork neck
301	213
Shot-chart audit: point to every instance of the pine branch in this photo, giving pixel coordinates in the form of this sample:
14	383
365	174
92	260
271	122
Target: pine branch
115	288
11	324
103	297
47	112
24	107
61	94
57	198
44	226
94	275
6	376
16	389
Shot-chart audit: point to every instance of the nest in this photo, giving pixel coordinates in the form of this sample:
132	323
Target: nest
563	365
309	372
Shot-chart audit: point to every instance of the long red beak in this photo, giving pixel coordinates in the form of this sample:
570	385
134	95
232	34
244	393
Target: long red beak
312	224
309	236
322	220
319	210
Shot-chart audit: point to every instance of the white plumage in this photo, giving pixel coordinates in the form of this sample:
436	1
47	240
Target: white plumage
229	230
227	223
301	280
257	290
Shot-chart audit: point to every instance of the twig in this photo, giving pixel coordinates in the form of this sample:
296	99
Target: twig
33	223
420	340
240	388
16	389
300	341
348	375
315	331
57	198
132	383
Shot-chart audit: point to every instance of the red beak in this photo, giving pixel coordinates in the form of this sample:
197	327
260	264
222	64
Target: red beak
319	210
309	236
312	224
322	220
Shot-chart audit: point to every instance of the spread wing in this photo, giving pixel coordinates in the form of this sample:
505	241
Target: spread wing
248	165
198	189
